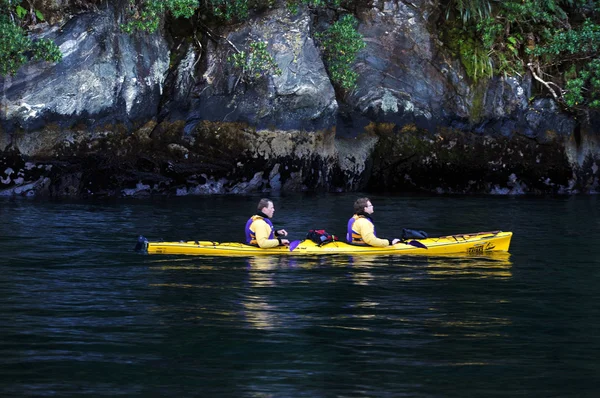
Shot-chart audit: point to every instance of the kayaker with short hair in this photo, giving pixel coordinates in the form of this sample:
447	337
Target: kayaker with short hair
260	230
361	230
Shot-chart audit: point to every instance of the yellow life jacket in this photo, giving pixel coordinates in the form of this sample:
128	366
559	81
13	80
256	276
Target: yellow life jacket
355	237
251	235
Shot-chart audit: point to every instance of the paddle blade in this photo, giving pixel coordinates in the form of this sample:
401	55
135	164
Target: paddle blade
416	243
294	244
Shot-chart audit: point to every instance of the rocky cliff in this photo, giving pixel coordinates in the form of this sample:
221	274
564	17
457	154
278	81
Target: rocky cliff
166	113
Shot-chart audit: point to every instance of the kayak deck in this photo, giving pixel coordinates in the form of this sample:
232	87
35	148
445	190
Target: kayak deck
473	244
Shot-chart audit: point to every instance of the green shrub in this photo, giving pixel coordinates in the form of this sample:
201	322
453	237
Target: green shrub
584	88
470	9
340	44
254	63
229	9
145	15
293	5
182	8
16	48
583	39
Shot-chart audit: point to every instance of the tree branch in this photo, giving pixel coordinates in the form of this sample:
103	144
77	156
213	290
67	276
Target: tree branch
545	83
217	37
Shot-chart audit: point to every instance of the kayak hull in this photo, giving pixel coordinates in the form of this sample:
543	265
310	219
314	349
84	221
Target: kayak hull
472	244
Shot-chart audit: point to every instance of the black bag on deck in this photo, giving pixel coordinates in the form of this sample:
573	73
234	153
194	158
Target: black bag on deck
412	234
320	236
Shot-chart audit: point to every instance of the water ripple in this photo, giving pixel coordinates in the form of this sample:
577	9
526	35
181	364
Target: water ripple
83	315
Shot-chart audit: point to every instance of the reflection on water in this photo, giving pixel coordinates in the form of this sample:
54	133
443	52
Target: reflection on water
268	277
493	266
260	307
265	263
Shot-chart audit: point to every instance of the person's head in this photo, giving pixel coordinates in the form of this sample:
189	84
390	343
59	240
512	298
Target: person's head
363	205
266	206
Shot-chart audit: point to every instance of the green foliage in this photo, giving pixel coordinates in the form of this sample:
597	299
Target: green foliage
472	53
470	9
574	92
254	63
490	30
553	36
293	5
340	44
584	39
146	15
21	12
13	44
16	48
531	11
584	88
229	9
182	8
475	58
45	49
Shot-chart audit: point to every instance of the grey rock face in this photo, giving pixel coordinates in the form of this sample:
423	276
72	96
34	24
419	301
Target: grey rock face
105	77
301	98
506	109
401	80
506	96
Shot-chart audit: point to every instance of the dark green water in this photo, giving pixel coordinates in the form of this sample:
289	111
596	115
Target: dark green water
82	315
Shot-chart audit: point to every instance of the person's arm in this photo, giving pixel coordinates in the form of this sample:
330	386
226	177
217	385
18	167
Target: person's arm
367	230
263	231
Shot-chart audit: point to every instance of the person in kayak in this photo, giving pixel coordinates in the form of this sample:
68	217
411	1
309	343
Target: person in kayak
260	230
361	230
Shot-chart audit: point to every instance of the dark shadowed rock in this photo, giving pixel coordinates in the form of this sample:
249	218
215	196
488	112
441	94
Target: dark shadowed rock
215	158
452	161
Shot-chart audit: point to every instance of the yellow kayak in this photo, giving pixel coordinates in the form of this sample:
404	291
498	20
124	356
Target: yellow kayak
473	243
